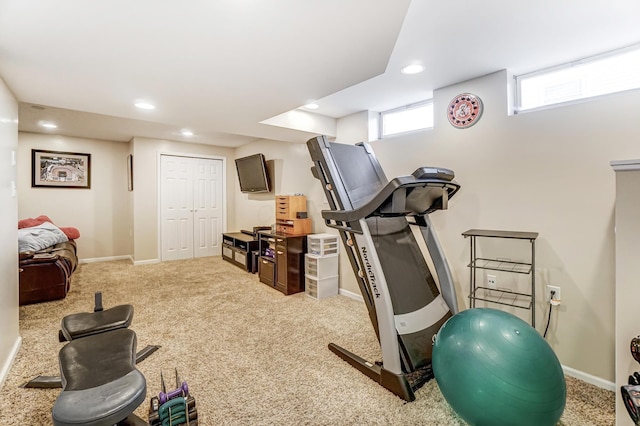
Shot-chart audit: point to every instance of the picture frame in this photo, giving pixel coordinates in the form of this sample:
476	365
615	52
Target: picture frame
130	172
58	169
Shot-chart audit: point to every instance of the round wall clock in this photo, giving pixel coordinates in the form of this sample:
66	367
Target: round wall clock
464	110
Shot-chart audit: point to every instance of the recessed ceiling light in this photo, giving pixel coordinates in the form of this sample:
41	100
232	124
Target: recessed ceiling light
312	106
48	125
144	105
186	132
412	69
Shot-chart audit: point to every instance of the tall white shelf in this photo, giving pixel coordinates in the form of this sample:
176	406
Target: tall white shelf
321	266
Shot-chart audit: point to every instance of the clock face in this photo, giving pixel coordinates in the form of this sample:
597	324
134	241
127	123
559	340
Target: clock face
464	110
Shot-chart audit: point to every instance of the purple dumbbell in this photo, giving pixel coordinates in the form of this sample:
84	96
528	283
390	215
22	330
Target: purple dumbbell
183	390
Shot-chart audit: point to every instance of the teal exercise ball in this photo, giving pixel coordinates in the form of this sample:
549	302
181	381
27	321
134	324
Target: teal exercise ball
495	369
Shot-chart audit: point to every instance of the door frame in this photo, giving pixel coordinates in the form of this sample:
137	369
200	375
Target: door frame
159	189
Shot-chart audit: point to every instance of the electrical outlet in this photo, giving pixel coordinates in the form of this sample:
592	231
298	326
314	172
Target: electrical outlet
491	281
556	295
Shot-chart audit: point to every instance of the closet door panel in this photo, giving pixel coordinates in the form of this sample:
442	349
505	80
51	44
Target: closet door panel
176	211
208	212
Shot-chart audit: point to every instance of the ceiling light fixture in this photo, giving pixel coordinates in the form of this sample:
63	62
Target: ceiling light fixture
312	106
144	105
412	69
48	125
186	132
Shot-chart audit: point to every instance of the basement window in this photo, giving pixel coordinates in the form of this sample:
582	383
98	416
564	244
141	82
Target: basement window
408	118
595	76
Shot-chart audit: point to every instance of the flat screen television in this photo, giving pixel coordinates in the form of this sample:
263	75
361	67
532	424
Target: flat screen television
252	174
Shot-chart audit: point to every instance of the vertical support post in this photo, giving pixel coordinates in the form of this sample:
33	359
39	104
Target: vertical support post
472	272
98	302
533	283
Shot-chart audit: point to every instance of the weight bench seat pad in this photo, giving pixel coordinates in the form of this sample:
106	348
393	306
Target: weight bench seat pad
101	385
84	324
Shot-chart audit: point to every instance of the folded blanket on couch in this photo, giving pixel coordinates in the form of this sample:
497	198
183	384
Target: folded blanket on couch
40	237
71	232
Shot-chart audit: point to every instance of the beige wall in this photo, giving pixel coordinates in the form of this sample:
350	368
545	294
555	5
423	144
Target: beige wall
113	222
146	157
545	171
9	338
292	175
101	213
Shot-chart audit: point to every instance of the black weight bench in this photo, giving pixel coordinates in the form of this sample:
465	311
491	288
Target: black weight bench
85	324
101	384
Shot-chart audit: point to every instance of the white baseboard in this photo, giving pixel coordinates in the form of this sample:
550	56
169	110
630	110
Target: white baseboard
145	262
9	361
351	295
125	257
586	377
106	259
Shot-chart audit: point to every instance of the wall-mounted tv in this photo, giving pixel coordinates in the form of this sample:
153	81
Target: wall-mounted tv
252	174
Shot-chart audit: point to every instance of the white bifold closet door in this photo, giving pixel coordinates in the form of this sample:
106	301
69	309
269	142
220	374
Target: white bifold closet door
191	207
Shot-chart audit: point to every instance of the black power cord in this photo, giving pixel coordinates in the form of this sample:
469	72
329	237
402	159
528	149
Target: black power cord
553	293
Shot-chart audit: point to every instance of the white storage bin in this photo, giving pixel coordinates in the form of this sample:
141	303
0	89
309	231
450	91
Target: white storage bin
322	244
321	267
321	288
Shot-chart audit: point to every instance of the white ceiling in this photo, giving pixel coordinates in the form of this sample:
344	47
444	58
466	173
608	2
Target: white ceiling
222	67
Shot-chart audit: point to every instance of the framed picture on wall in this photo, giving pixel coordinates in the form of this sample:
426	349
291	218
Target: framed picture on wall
57	169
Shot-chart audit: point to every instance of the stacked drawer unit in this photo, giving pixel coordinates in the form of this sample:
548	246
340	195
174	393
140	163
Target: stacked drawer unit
321	266
289	208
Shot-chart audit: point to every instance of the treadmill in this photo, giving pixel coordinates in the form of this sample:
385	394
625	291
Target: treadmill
375	217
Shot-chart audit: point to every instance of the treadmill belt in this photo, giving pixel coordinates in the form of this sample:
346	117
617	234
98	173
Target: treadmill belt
409	280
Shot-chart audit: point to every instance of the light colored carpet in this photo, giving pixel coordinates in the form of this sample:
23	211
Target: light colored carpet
250	355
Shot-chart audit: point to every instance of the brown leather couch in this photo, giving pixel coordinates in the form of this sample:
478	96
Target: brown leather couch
46	274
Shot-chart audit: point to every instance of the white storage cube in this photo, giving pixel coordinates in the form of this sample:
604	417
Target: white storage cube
321	288
321	267
322	244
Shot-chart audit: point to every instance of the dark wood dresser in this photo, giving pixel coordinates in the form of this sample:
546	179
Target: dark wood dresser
281	261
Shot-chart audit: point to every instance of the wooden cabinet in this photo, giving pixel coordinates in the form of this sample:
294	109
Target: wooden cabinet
294	226
281	263
291	215
266	271
238	249
282	268
288	205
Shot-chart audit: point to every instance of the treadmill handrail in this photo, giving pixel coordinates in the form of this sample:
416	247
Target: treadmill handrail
383	197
